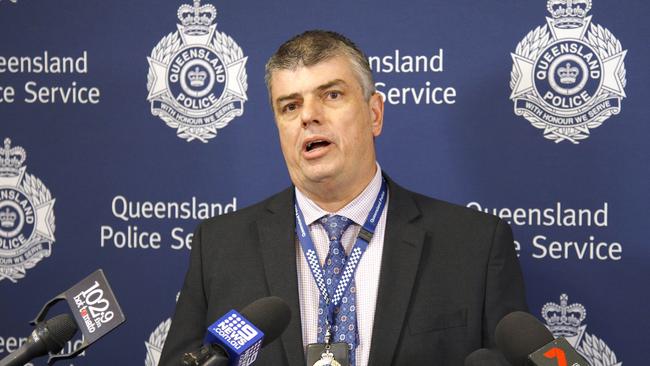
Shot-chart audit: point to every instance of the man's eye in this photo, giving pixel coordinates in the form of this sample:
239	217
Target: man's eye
289	107
333	94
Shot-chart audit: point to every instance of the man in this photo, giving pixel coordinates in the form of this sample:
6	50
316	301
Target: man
431	279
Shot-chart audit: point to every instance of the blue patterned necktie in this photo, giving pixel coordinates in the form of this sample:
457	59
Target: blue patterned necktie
344	328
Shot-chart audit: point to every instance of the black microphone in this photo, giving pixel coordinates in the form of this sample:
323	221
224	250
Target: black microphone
269	315
525	341
486	357
48	337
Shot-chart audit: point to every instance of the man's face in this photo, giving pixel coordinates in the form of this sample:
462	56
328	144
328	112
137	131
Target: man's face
326	126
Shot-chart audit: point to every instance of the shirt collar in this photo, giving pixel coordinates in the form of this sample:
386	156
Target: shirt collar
357	210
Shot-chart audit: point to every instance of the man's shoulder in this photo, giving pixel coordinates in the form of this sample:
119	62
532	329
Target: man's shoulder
437	212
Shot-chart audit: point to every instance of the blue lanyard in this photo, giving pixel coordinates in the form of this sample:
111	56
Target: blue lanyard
360	246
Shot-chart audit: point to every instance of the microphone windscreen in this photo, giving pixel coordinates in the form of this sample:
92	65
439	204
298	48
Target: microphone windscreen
270	314
519	334
486	357
60	329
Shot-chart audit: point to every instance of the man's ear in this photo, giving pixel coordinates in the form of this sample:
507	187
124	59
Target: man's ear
376	104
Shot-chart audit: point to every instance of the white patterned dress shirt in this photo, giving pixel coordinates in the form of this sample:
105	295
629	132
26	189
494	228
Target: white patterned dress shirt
368	270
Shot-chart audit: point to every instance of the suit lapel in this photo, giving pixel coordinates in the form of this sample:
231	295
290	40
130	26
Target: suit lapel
403	242
277	243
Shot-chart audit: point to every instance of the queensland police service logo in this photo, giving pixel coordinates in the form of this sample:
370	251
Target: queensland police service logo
26	216
564	320
568	75
197	76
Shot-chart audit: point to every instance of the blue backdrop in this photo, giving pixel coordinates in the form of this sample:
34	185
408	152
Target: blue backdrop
530	110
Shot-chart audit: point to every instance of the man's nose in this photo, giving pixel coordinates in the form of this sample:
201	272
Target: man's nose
311	112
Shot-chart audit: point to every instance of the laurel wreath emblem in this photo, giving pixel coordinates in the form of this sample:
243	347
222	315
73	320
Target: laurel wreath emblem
598	37
229	51
597	352
157	339
530	47
38	194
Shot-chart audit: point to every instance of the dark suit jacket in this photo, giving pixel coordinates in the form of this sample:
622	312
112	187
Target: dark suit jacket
448	275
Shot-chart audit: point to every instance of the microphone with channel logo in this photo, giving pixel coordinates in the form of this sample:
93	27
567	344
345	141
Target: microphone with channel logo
236	338
525	341
95	312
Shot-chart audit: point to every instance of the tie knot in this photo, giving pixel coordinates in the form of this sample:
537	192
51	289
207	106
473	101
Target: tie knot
335	226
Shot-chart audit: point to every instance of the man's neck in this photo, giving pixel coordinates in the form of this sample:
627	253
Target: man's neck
333	196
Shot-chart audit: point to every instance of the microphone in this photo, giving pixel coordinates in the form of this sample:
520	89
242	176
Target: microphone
486	357
525	341
49	336
235	339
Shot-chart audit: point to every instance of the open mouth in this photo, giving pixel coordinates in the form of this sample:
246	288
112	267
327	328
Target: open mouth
313	145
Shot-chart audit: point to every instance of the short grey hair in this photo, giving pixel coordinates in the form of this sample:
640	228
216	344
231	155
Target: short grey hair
315	46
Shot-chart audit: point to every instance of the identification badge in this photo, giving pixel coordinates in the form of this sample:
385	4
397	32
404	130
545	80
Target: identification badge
320	355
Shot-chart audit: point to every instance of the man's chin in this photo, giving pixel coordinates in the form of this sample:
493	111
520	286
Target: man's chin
321	178
319	175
